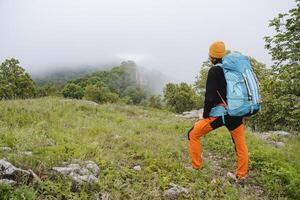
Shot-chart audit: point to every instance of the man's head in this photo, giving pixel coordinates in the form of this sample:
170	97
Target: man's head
217	51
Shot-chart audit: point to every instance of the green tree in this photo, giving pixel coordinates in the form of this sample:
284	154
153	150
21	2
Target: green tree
181	97
282	91
73	91
155	101
14	81
200	83
121	82
136	94
201	78
285	44
99	94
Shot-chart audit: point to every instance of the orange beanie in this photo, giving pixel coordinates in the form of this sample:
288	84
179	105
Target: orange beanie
217	49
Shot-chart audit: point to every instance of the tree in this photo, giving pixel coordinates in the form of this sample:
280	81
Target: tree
201	78
155	101
283	87
200	83
14	81
285	44
99	94
136	94
73	91
181	97
119	82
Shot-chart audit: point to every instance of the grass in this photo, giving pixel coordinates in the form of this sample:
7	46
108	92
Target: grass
118	137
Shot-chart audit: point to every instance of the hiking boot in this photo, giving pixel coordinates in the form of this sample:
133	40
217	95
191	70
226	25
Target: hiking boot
236	179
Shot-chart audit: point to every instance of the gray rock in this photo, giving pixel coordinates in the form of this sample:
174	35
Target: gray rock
278	144
7	182
281	133
8	171
192	114
137	168
93	167
5	149
27	153
174	191
80	172
34	176
90	102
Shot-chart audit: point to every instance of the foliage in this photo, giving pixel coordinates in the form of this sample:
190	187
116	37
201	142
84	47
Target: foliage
285	44
99	94
121	81
181	97
118	137
155	101
200	83
14	81
73	91
136	94
282	90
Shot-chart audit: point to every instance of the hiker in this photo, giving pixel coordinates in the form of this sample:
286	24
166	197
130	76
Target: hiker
215	97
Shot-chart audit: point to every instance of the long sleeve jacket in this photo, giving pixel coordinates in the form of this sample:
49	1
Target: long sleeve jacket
215	82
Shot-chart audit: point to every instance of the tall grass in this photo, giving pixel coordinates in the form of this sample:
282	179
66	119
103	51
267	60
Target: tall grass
118	137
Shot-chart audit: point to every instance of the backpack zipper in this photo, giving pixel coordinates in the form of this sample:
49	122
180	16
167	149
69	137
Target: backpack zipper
248	88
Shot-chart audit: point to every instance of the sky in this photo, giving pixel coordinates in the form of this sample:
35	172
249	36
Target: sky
171	36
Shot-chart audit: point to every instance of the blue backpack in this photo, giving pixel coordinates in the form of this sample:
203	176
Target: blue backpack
243	98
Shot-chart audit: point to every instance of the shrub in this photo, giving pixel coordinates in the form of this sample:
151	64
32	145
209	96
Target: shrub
74	91
181	97
99	94
14	81
155	101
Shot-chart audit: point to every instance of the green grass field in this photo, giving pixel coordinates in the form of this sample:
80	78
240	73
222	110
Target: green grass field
118	137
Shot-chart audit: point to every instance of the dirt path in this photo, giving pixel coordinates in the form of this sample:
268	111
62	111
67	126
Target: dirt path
220	179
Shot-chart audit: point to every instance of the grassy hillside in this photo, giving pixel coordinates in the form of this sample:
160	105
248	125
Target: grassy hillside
118	137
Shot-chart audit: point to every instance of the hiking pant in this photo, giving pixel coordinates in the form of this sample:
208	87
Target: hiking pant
237	129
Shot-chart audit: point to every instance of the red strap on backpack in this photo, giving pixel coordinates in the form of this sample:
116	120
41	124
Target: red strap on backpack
224	102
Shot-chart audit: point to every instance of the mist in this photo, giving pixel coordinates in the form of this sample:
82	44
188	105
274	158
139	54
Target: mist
168	36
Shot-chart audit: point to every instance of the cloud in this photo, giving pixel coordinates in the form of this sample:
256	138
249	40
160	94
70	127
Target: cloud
167	35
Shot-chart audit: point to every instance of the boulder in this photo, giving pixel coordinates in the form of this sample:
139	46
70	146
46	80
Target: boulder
278	144
137	168
281	133
10	172
174	191
80	171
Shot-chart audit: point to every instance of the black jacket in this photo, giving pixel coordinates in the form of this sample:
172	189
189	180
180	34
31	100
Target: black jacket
215	82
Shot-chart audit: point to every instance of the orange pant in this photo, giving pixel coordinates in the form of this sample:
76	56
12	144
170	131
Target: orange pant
237	130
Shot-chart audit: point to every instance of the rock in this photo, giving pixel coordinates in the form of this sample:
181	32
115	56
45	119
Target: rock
27	153
192	114
10	172
281	133
90	102
137	168
174	191
7	169
5	149
80	172
35	177
278	144
93	167
7	182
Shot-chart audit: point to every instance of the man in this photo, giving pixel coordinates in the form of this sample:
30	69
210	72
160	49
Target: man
215	95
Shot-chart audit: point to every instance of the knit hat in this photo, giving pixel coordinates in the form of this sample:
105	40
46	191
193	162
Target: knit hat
217	49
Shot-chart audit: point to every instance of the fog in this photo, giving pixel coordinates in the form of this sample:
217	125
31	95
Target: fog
167	35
